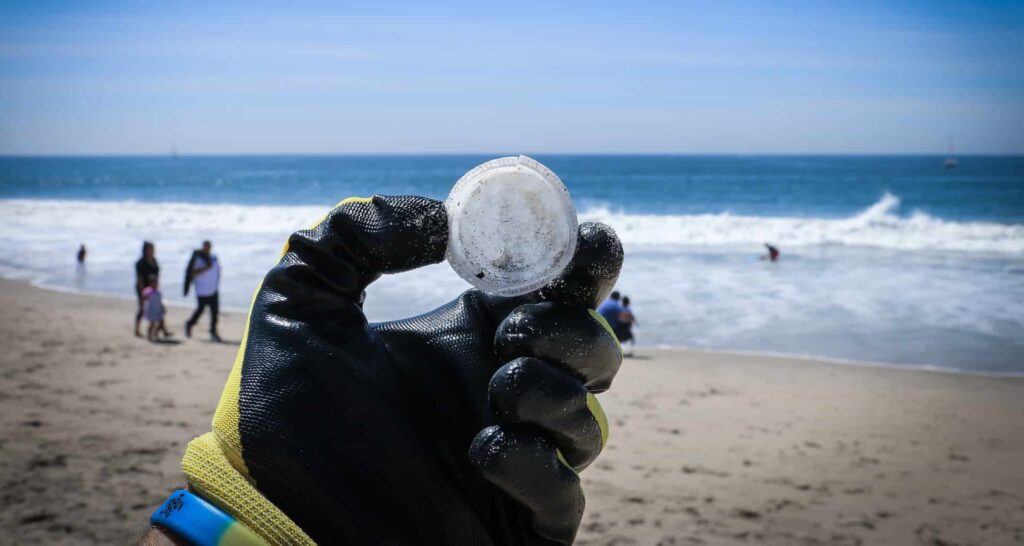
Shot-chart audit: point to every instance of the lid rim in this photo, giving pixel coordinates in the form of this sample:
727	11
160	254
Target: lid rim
456	255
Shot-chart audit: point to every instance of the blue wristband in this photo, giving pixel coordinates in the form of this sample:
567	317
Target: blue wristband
201	523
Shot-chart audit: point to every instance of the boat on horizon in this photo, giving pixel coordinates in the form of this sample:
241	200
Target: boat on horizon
950	161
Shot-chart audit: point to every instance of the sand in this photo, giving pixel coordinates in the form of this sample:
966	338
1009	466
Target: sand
706	448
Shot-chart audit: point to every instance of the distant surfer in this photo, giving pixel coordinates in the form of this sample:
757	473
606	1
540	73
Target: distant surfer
773	253
204	270
81	255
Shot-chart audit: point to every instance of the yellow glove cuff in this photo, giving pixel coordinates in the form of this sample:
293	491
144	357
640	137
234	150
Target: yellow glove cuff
215	469
213	477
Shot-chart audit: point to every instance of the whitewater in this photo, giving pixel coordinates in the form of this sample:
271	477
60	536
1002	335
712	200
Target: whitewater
882	284
878	226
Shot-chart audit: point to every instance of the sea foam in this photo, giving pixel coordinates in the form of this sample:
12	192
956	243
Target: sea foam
876	285
879	226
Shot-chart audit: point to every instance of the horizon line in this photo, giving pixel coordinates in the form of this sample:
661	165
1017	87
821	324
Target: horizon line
502	154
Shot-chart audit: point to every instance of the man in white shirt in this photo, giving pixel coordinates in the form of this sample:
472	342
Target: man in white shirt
204	272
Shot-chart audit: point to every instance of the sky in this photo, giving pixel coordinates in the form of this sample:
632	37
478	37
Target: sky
553	77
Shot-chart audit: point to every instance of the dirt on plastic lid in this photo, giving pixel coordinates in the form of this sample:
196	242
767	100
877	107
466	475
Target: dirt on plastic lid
512	226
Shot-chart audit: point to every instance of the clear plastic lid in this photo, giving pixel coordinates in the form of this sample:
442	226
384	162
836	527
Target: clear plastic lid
512	226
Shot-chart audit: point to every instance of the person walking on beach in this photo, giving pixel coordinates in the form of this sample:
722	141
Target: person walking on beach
773	253
204	270
610	310
625	330
81	255
155	311
147	270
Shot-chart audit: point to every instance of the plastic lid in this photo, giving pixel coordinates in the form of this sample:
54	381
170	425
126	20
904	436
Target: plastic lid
512	226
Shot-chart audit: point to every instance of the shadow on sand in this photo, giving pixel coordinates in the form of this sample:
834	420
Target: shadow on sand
234	342
637	357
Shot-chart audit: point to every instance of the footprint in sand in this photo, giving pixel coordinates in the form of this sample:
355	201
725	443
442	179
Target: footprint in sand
595	527
92	441
745	513
38	517
777	505
57	461
704	471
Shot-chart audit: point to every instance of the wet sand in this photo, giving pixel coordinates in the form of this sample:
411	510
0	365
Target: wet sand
706	448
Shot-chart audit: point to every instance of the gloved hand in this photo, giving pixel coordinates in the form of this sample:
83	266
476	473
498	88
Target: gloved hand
465	425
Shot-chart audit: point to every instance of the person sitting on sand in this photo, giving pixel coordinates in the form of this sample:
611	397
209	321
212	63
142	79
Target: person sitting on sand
626	322
464	425
155	311
773	253
610	310
147	270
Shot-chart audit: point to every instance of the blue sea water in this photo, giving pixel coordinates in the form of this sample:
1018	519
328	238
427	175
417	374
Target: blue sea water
891	258
987	189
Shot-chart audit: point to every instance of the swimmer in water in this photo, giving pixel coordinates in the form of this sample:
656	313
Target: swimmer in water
773	253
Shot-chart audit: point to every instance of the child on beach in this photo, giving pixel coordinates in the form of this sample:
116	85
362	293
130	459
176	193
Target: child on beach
155	310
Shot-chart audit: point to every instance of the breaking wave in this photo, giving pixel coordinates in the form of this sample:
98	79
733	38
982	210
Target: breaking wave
879	225
695	279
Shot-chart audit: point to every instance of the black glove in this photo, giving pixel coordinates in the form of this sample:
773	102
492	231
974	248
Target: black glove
465	425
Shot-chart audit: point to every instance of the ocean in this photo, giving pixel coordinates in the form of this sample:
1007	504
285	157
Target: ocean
887	259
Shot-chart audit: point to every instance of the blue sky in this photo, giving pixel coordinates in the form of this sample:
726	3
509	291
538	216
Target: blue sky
593	77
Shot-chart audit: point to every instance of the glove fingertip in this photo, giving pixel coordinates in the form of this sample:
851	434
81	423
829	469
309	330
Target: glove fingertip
485	450
416	232
528	468
591	275
567	336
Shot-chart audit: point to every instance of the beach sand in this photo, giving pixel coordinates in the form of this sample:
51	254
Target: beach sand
705	448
